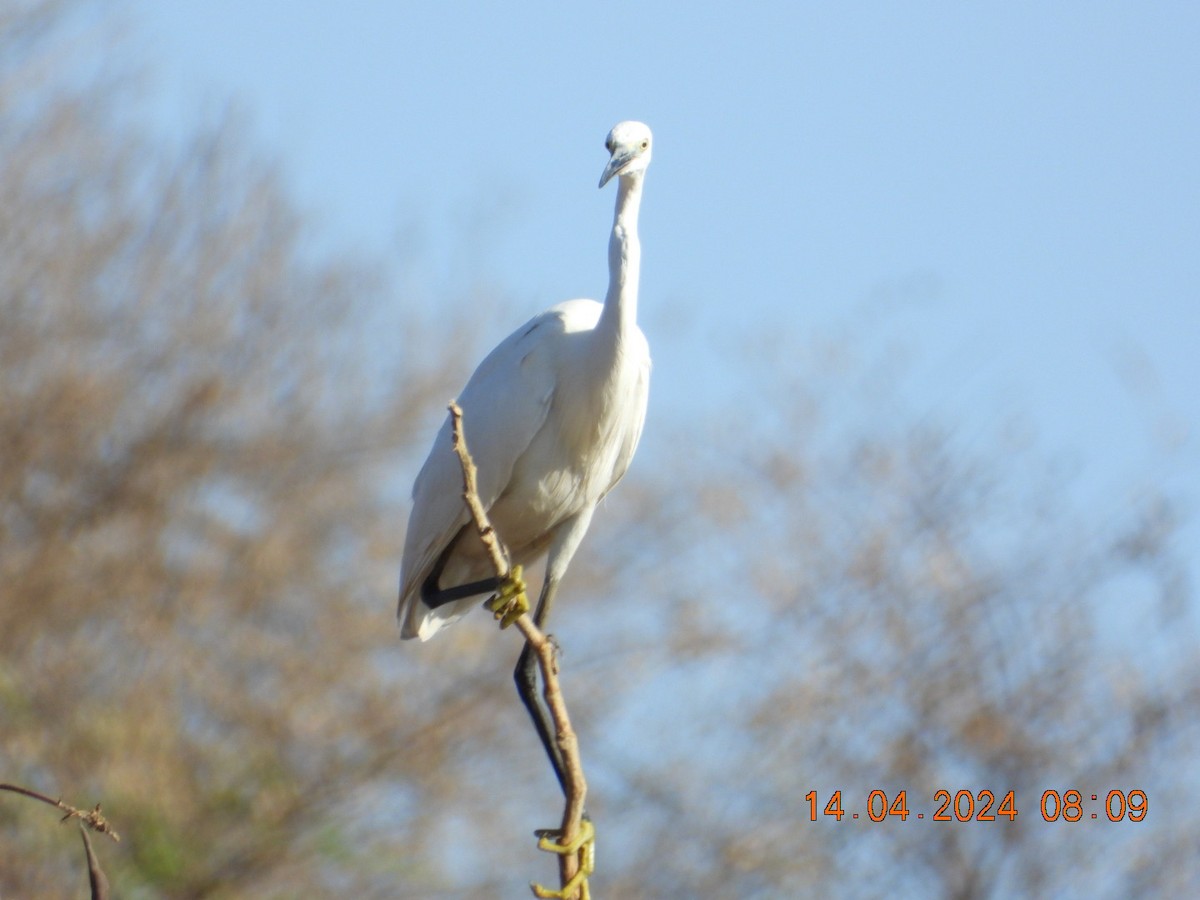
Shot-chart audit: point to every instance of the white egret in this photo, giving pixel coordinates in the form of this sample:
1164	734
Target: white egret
552	417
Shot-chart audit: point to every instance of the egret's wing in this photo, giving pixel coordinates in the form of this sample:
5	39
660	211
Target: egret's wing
504	405
637	401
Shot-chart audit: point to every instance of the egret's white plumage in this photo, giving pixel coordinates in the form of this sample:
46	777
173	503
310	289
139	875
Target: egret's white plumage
552	417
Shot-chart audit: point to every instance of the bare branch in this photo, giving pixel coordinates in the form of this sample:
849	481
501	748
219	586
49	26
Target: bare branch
487	534
92	818
88	819
575	785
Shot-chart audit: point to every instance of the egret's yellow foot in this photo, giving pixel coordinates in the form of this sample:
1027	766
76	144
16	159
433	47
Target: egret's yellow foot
510	601
584	843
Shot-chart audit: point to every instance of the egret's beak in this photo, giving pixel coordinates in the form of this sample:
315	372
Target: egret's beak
620	159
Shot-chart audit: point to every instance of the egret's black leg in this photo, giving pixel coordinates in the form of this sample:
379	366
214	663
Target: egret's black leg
437	596
434	596
525	675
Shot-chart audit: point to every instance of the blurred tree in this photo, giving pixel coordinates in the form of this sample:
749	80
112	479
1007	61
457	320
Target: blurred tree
893	610
200	523
197	551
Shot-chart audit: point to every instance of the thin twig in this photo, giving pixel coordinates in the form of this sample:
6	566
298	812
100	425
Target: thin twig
575	787
87	819
92	818
487	534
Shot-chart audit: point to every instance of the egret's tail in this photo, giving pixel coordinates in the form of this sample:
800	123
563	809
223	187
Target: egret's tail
419	621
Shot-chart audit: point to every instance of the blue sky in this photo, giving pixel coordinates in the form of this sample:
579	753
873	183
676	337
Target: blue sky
1009	192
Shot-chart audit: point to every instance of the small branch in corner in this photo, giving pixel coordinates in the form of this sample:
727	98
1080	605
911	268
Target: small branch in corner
91	819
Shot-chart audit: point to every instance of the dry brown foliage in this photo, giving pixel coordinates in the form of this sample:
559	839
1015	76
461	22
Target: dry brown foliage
196	536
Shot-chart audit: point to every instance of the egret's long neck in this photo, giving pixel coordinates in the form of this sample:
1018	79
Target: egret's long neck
624	258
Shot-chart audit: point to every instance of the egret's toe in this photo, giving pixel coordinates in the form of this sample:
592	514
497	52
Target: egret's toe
510	601
584	843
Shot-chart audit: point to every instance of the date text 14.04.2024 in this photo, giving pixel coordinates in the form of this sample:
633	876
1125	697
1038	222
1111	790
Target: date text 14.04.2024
983	806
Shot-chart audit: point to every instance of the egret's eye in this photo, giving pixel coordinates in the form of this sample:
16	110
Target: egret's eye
646	144
608	145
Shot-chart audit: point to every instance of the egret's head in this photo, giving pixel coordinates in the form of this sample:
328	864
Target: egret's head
630	144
